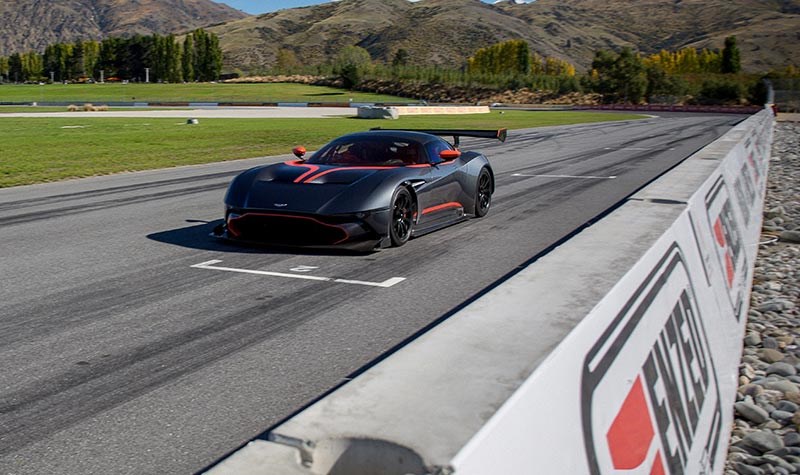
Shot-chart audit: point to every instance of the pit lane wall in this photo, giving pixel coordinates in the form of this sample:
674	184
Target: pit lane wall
616	353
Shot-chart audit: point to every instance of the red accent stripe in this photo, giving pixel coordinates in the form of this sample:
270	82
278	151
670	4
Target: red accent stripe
232	229
311	169
346	234
441	207
341	169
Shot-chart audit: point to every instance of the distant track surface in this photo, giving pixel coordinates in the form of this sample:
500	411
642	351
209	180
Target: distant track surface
118	356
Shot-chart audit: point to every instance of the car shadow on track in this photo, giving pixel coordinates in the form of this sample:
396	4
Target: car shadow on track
198	236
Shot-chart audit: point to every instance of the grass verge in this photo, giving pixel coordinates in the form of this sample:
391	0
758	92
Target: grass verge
38	109
35	150
190	92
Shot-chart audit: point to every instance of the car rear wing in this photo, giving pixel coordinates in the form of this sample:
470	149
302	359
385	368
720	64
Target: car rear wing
499	134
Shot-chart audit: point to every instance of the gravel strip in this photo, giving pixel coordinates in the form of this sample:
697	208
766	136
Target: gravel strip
765	437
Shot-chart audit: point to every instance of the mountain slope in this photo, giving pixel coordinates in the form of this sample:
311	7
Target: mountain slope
766	30
448	31
33	24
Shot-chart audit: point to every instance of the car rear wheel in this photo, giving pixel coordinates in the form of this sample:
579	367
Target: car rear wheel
483	193
403	208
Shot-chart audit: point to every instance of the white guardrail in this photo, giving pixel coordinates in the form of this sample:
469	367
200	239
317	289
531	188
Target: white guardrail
617	352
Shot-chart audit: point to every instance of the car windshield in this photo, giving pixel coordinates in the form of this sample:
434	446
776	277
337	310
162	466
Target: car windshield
372	151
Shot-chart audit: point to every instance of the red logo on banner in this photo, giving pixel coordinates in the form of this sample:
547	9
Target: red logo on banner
631	434
719	233
653	363
725	227
658	466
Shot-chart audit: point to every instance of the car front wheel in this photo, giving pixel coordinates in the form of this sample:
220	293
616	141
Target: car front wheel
403	209
483	193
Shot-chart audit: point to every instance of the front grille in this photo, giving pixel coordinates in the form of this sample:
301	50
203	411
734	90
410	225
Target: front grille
286	230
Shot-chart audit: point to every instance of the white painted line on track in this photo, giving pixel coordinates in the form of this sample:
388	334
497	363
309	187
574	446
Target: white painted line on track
585	177
303	269
385	284
210	265
637	149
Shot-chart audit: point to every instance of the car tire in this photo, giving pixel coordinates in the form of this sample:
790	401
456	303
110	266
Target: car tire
402	211
483	193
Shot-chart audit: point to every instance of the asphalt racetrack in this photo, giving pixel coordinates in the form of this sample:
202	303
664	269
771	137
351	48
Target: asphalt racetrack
132	342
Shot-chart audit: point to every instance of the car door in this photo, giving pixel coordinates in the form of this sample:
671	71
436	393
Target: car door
439	196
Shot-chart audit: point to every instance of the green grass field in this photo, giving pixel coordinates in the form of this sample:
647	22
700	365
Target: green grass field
191	92
36	109
35	150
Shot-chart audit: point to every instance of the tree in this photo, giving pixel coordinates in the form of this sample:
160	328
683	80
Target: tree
164	58
57	60
107	60
721	90
602	78
32	66
91	55
15	67
126	58
200	54
523	58
157	58
401	57
3	68
206	55
731	58
659	83
187	60
630	75
513	59
620	76
172	62
214	57
75	66
351	63
286	61
135	54
686	61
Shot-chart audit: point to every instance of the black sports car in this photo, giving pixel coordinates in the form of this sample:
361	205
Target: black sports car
363	190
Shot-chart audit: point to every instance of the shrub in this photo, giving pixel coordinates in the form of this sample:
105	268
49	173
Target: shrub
719	91
351	75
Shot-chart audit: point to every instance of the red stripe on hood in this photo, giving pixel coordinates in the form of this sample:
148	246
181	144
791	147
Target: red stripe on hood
314	177
311	169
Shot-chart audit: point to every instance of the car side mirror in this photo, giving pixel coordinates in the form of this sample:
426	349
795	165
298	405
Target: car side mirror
299	152
448	155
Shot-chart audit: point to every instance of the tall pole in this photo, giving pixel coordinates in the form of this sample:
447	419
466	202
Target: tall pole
52	77
146	74
102	76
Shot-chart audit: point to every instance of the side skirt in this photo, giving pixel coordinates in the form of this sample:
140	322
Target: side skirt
419	231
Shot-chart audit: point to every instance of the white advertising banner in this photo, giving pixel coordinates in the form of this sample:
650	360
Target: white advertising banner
645	383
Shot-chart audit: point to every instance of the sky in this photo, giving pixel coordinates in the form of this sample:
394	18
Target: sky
263	6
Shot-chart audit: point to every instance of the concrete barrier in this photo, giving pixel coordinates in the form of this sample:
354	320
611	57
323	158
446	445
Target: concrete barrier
672	108
426	110
370	112
617	352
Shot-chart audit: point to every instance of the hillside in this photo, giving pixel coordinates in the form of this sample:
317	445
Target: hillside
33	24
447	31
766	30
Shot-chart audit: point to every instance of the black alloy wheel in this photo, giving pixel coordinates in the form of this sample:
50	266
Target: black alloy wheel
403	209
483	194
